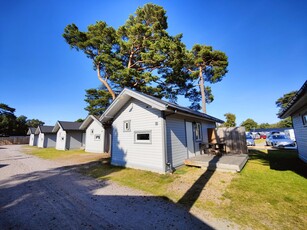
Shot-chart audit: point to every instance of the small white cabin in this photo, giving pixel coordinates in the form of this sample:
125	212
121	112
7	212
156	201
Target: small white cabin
297	109
152	134
69	136
33	137
94	135
46	138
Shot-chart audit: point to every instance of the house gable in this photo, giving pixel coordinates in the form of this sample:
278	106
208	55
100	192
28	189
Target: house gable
141	146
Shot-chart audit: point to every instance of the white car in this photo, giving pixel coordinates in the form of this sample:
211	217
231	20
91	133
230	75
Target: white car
280	141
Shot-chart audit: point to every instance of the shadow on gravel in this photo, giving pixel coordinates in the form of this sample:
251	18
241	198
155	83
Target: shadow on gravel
191	196
62	199
3	165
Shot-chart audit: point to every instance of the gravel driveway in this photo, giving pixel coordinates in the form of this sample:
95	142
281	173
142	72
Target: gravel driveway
41	194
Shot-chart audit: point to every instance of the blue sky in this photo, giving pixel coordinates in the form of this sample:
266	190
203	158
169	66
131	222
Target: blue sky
265	41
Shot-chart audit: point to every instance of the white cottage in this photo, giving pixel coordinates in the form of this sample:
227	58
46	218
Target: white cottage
69	136
297	109
152	134
94	135
33	137
46	138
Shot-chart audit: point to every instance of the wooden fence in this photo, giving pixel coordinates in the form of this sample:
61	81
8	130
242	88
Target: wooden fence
16	140
234	138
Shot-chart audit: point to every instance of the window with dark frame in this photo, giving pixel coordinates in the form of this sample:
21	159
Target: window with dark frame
142	137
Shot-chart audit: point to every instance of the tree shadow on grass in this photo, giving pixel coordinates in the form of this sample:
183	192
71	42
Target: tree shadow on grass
60	198
281	160
285	160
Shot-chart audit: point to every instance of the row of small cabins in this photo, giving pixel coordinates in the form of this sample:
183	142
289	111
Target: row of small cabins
138	130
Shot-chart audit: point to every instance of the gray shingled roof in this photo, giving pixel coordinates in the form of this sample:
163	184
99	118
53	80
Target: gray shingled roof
32	130
182	109
69	125
298	95
46	128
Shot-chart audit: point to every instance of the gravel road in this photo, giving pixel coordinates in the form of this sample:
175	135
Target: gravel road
42	194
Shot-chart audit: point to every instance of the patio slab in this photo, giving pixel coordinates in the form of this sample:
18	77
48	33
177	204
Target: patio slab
226	163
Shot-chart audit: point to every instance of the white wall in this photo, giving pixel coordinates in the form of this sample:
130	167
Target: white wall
300	133
40	141
61	139
93	144
33	140
125	152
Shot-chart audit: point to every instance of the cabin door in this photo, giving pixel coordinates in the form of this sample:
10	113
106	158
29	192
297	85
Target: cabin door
190	139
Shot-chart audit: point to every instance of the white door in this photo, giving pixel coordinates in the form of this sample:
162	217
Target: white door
190	141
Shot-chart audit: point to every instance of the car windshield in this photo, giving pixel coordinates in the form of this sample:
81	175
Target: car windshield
249	136
279	137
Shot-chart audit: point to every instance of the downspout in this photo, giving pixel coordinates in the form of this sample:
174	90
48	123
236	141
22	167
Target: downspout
167	166
164	142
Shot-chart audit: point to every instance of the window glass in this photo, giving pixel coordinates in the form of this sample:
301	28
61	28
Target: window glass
142	137
198	131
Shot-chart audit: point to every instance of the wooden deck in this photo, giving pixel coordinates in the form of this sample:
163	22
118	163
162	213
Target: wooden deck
226	163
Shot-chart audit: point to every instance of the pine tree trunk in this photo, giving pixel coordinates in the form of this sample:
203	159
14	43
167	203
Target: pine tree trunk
202	90
106	84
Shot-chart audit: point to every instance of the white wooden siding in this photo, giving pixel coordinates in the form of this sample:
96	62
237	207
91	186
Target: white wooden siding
300	134
40	141
125	152
33	140
176	141
92	145
61	139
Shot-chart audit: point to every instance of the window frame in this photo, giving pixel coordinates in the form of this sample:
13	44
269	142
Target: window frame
136	141
124	126
199	136
95	137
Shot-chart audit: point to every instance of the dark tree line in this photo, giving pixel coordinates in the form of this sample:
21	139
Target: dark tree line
10	125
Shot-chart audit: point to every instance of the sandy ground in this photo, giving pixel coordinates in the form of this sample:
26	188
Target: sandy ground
42	194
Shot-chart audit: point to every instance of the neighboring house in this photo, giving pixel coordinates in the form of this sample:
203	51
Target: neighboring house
149	133
46	138
297	109
94	135
69	136
33	136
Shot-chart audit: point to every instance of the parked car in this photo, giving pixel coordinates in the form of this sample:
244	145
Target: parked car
249	140
280	141
262	135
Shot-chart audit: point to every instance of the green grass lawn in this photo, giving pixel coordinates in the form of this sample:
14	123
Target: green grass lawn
270	192
51	153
